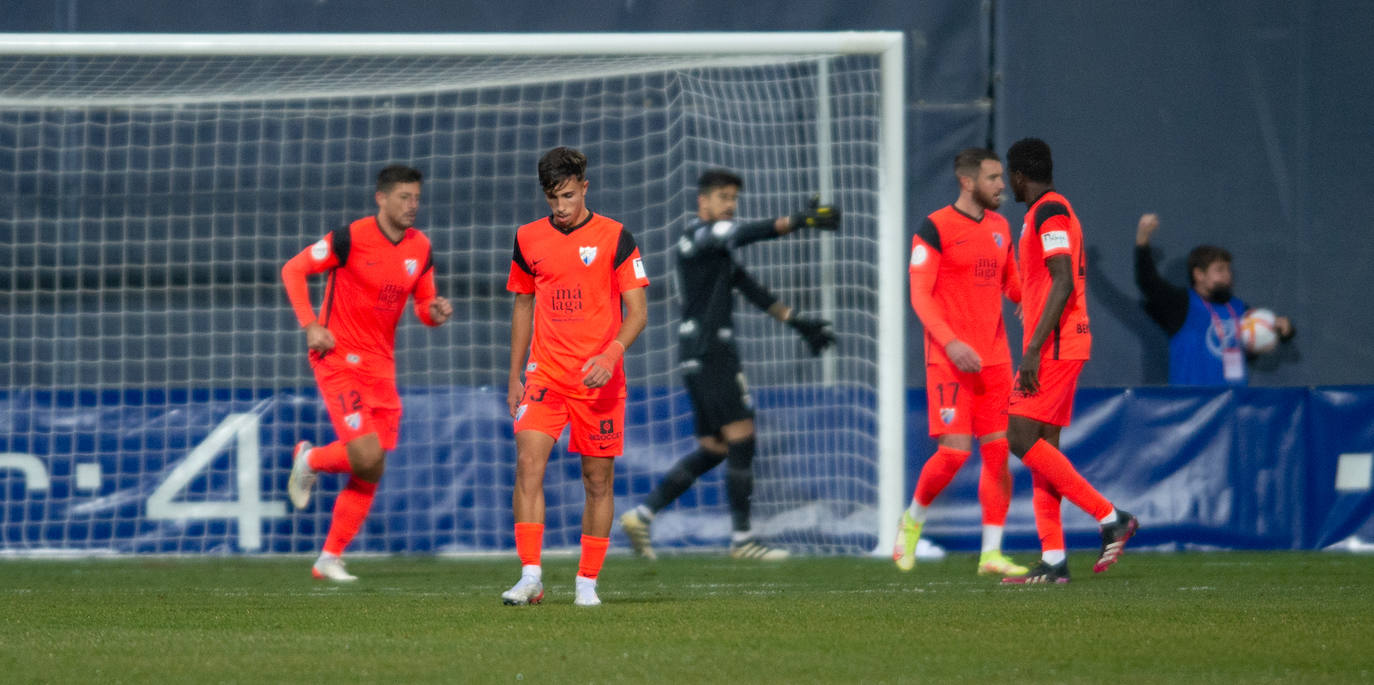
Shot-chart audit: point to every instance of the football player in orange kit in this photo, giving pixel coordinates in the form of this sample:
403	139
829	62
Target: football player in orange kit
1057	340
375	264
571	272
961	264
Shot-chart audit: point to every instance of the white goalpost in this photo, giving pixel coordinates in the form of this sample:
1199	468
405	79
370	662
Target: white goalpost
154	184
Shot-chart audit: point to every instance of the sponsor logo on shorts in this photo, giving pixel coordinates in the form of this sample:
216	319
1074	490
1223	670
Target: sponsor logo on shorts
606	435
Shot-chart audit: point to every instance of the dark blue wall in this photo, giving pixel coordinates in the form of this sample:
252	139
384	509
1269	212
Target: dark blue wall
1242	123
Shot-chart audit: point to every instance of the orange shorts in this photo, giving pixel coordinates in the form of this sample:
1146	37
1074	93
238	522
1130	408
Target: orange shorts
1053	402
959	403
597	424
359	404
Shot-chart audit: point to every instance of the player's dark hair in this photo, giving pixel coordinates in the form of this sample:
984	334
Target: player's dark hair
1204	256
718	178
1031	157
970	160
397	173
560	164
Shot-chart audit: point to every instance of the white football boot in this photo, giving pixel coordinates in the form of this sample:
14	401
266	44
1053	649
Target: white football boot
330	567
302	478
586	593
530	590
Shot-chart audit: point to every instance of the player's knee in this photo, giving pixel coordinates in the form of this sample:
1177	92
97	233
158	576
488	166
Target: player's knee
1020	440
597	485
712	444
367	458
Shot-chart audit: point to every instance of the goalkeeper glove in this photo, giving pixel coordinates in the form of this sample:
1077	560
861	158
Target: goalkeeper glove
817	215
816	333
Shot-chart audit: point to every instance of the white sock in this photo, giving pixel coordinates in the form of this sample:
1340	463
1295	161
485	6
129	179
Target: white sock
644	513
917	511
1053	557
326	556
585	583
534	571
1109	518
740	536
992	538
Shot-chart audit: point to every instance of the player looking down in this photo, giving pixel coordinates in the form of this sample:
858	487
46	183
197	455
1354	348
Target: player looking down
571	272
709	360
374	265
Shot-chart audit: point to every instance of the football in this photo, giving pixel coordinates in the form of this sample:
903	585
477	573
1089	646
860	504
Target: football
1258	334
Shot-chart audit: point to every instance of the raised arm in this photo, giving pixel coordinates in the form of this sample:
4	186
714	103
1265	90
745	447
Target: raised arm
1167	304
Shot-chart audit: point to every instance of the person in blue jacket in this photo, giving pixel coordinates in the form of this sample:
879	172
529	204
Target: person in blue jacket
1201	320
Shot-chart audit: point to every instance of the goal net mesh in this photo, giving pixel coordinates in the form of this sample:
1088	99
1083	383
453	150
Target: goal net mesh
147	205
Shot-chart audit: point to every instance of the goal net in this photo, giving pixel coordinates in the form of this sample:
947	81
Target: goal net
152	187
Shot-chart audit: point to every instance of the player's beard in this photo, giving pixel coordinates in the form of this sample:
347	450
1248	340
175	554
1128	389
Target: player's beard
988	200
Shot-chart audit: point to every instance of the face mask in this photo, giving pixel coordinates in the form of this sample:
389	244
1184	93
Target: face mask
1220	294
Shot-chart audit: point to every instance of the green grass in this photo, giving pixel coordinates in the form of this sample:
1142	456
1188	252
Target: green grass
1244	617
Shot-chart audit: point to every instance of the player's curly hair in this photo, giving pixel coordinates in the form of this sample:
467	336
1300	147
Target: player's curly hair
560	164
718	178
1031	157
397	173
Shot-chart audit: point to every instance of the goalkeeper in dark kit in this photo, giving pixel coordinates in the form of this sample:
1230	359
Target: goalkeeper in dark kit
709	361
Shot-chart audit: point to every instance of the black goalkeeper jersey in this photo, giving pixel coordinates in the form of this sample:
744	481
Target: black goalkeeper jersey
707	277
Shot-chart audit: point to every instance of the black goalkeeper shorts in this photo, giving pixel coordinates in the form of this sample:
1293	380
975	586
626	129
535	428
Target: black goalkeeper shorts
718	392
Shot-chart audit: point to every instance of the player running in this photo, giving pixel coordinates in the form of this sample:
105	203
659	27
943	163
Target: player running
1057	342
570	272
710	362
374	265
961	264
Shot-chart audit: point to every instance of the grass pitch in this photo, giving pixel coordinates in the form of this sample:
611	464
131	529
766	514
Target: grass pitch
1190	617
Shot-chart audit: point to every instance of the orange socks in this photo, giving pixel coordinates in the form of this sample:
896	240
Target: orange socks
1043	459
937	473
994	482
1045	501
593	555
350	508
331	458
529	543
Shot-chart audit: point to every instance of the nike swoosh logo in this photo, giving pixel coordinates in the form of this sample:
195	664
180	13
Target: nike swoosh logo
370	263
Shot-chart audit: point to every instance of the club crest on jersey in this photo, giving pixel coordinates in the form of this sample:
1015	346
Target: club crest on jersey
997	238
947	415
354	421
586	254
411	266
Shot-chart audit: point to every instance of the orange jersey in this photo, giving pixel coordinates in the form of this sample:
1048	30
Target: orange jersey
370	279
576	277
1051	228
960	267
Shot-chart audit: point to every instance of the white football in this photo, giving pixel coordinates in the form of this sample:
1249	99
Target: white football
1258	334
